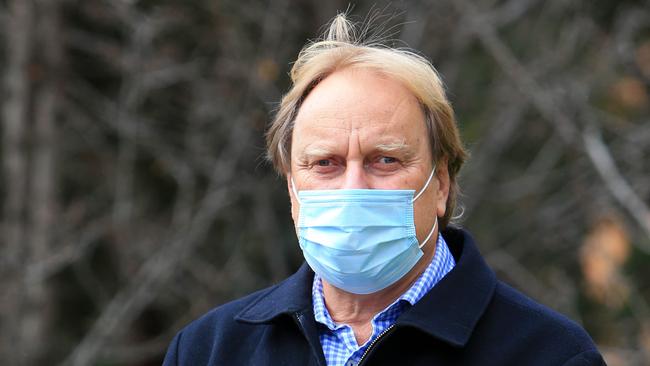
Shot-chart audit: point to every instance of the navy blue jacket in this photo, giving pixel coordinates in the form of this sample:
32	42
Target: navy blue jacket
468	318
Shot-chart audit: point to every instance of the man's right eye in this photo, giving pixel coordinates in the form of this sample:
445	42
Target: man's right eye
323	162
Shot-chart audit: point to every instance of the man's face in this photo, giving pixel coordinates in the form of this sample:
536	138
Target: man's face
361	130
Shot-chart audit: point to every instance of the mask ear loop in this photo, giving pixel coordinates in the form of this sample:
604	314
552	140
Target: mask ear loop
435	224
433	172
295	193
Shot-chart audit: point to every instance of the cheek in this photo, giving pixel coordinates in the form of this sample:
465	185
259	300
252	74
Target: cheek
425	213
295	211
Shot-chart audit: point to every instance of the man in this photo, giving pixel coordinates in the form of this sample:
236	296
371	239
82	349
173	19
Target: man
368	142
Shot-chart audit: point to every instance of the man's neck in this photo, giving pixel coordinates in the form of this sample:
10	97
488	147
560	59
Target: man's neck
357	311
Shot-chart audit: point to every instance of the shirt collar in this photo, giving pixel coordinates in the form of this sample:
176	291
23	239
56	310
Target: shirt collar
449	311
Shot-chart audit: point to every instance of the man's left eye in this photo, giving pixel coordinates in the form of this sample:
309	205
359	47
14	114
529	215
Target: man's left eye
387	160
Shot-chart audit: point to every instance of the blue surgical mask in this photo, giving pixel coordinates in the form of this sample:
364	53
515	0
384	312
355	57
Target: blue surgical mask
360	240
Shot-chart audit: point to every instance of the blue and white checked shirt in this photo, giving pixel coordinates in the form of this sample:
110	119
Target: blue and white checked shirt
339	344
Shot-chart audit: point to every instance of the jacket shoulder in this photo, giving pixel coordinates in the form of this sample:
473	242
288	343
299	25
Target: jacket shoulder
540	315
542	328
225	312
217	329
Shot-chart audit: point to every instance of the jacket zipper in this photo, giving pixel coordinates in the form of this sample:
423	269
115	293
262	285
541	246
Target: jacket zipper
374	342
299	318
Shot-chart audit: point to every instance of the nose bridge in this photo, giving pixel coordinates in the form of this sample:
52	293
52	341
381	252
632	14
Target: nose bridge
355	176
355	172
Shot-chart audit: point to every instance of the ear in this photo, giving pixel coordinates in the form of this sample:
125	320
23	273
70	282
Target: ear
288	176
292	198
442	193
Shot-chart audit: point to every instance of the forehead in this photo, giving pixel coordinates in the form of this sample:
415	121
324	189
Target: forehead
374	107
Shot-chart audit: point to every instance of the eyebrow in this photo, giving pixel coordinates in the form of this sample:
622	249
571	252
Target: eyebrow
315	152
398	148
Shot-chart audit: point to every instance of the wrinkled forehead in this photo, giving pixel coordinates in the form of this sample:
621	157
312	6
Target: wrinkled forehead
361	100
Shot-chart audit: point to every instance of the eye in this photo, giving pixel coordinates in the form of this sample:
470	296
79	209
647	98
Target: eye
385	164
325	166
324	162
387	160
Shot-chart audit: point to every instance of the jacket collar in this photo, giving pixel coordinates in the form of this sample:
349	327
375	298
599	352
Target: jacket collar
448	312
451	309
290	296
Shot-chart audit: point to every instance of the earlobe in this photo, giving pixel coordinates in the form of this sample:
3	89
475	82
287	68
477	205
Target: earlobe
288	177
441	205
442	176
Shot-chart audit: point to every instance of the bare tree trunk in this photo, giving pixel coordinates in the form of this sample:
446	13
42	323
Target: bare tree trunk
15	116
41	201
46	110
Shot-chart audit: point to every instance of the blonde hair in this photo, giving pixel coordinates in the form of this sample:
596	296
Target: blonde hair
341	47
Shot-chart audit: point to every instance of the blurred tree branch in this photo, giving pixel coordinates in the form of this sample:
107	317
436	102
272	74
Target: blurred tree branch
548	106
